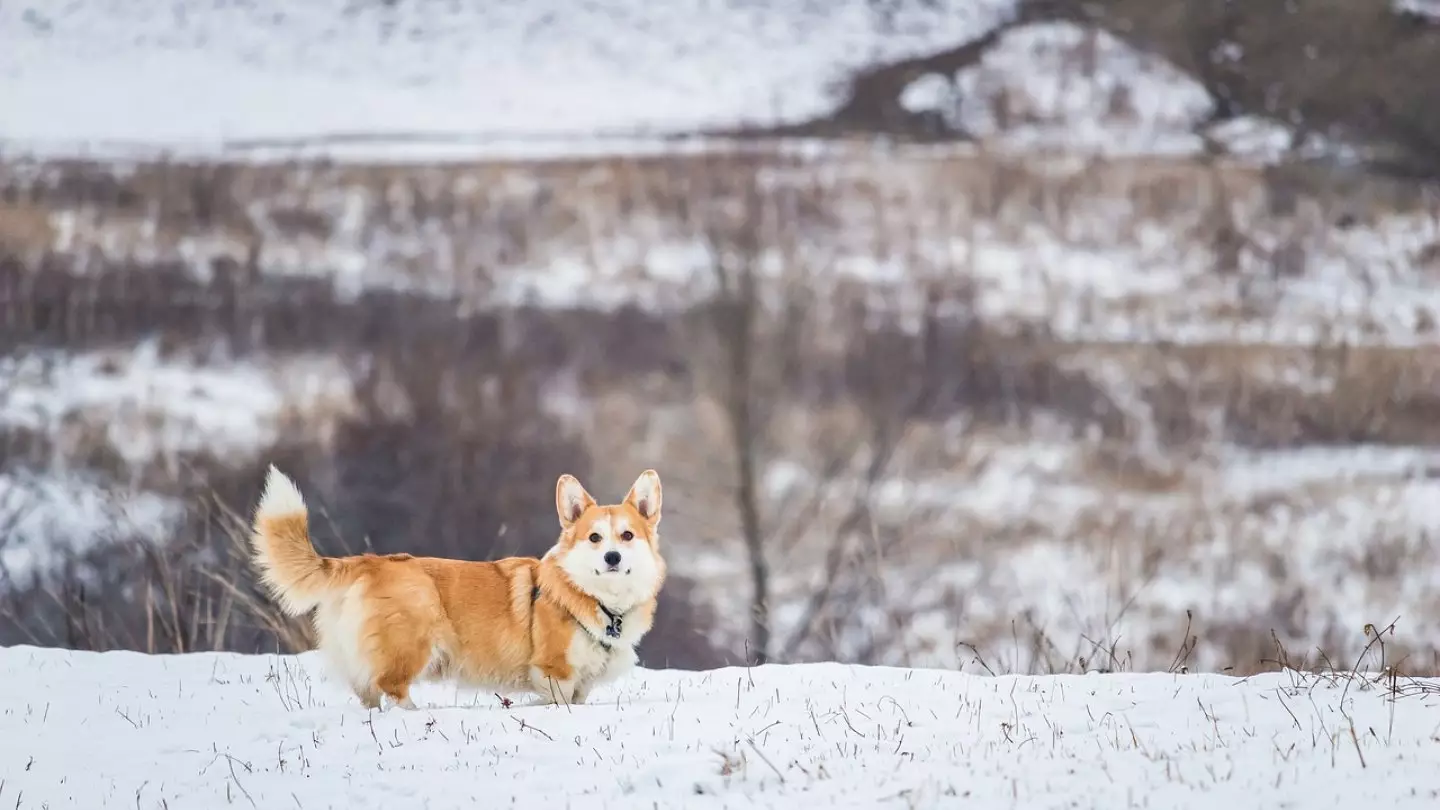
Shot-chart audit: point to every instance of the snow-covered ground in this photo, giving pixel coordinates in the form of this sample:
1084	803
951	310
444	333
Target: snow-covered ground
429	80
90	730
150	408
1030	541
201	73
148	411
45	517
1059	85
1063	87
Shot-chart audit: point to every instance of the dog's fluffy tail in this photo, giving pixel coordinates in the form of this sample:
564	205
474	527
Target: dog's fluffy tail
280	540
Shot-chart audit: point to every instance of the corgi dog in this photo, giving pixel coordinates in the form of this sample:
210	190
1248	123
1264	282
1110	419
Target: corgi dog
557	626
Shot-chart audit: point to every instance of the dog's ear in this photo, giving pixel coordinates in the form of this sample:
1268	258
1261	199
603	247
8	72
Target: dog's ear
644	496
571	500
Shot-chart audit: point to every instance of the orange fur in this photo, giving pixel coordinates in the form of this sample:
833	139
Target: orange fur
386	622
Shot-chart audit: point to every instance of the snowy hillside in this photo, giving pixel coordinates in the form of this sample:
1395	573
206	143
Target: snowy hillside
206	730
208	70
1177	392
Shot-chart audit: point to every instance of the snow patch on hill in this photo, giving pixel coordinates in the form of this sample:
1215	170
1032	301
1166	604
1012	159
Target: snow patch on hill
46	518
1060	85
148	407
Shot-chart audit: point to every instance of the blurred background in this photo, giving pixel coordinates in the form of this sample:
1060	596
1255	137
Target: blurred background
1003	335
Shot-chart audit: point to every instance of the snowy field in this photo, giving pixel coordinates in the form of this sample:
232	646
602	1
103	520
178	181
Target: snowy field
197	72
426	81
89	730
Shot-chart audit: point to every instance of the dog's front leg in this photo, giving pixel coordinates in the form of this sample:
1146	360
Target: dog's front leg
552	689
582	693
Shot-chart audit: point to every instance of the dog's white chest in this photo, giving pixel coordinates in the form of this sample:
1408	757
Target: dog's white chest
587	657
593	662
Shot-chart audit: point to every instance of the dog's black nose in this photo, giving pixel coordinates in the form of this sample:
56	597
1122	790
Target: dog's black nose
612	558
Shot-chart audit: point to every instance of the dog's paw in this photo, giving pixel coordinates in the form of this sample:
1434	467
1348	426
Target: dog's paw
387	703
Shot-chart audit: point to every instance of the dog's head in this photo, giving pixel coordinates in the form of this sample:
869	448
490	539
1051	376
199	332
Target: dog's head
611	552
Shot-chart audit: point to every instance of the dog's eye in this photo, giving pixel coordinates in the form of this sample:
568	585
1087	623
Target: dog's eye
627	536
595	537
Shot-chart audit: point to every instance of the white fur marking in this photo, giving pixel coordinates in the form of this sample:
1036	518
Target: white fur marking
281	497
619	590
595	666
338	623
602	528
